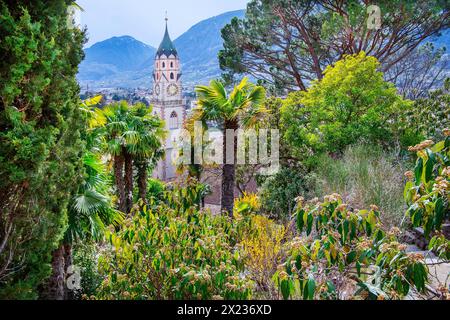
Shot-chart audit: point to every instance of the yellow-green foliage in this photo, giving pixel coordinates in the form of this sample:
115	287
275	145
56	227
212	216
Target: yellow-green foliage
247	204
174	251
352	102
262	247
344	250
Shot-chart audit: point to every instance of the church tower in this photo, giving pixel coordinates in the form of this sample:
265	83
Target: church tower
167	100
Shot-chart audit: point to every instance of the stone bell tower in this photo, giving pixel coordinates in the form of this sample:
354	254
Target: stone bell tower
167	100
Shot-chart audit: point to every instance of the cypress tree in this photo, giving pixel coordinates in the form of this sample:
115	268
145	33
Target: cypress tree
40	144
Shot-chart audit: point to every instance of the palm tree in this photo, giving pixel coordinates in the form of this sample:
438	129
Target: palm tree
146	145
112	123
134	138
242	108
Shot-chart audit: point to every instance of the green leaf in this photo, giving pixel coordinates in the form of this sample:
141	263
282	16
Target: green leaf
419	277
351	257
417	218
311	288
285	289
429	167
330	287
300	222
439	213
418	170
438	146
407	195
309	223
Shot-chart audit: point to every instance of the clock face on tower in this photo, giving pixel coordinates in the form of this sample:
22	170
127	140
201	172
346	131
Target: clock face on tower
157	90
172	89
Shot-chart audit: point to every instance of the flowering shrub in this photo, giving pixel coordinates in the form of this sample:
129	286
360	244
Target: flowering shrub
346	254
427	191
262	248
247	204
174	251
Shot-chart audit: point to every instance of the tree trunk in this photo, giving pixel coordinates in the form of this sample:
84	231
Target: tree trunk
68	261
55	286
227	200
228	173
128	181
120	184
142	180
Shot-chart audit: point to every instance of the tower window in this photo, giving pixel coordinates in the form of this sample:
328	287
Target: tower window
171	64
163	64
173	121
171	76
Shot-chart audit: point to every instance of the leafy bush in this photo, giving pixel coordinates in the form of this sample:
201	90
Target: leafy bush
429	111
85	258
174	251
346	255
279	191
155	189
351	102
365	175
427	191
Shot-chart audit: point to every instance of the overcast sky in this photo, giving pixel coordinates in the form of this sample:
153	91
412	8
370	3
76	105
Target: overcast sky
144	19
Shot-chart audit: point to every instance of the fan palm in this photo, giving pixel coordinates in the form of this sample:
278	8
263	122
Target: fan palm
147	134
90	209
133	137
242	108
112	122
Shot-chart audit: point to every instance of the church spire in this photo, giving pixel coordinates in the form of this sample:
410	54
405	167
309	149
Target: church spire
166	47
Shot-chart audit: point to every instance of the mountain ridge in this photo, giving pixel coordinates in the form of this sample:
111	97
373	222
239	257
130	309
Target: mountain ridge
124	61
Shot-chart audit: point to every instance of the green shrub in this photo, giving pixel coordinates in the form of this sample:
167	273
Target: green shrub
346	254
174	251
350	103
427	192
155	189
85	258
279	191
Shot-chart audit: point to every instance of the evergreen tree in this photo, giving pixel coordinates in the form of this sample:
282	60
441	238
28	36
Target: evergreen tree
40	146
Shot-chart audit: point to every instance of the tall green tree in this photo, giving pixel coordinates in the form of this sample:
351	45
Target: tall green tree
40	146
288	43
133	137
241	108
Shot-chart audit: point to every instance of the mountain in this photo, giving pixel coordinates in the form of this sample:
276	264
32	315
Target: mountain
127	62
109	62
199	46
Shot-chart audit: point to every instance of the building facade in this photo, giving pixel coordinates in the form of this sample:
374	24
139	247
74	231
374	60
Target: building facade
168	102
